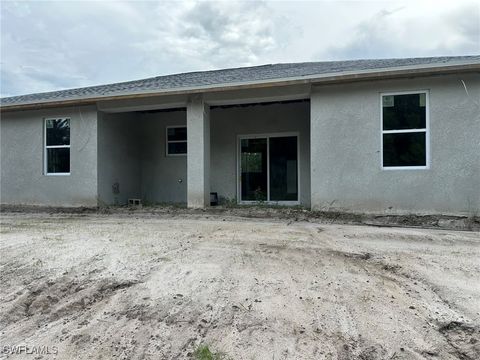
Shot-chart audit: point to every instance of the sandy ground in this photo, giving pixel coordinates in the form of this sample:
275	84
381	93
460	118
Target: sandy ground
157	286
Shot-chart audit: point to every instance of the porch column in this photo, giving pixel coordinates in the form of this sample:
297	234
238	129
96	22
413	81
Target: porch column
198	153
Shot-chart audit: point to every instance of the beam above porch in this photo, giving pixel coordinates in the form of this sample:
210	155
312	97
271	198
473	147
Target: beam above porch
236	97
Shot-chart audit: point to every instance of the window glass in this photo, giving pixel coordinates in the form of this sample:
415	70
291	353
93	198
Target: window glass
404	130
177	140
177	134
404	149
57	146
177	148
283	168
404	111
254	172
58	131
58	160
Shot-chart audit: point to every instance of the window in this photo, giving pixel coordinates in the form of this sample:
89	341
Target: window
405	130
57	147
176	140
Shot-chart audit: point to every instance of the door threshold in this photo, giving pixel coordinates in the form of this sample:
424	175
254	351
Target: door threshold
270	203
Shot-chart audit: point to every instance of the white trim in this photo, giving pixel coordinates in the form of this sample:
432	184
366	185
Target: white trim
426	130
46	147
405	92
57	174
239	170
174	141
404	131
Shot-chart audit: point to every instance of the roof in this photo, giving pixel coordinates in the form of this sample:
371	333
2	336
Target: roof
210	80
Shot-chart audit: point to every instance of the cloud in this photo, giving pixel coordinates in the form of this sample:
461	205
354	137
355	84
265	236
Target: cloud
70	44
212	34
55	45
405	32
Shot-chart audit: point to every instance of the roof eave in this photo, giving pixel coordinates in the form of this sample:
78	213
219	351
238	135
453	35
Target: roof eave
343	77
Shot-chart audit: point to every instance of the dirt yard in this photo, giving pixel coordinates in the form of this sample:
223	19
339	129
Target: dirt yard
144	286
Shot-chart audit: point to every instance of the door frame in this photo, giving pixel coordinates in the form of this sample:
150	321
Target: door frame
239	170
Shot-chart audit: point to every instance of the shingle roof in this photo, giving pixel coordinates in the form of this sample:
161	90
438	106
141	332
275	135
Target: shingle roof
259	74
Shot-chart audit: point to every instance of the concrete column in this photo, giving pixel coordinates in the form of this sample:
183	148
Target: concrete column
198	153
316	175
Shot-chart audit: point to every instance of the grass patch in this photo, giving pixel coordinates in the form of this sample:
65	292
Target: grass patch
204	353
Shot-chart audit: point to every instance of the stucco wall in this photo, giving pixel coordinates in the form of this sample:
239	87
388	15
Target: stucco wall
22	159
345	148
227	123
118	157
164	178
346	142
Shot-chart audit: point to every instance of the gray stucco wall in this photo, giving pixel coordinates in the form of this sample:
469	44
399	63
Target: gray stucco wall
118	157
132	153
22	158
164	178
346	142
227	123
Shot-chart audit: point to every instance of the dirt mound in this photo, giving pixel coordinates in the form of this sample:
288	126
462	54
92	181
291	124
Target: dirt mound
292	214
464	338
359	349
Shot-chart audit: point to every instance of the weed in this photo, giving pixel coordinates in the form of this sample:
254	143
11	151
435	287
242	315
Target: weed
166	205
228	202
204	353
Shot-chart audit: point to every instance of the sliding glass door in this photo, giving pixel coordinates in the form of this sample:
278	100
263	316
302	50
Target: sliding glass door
269	168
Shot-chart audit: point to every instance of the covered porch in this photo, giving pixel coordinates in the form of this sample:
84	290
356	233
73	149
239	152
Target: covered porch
250	150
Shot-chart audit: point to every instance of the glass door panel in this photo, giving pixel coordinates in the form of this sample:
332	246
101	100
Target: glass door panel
283	168
254	177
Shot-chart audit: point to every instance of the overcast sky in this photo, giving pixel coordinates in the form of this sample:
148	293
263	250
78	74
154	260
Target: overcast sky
56	45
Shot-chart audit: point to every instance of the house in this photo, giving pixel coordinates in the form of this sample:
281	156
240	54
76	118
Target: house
379	136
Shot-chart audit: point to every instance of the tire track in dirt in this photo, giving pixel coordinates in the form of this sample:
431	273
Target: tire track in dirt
462	339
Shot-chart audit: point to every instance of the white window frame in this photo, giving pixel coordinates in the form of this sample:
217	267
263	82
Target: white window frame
239	168
174	141
46	147
426	130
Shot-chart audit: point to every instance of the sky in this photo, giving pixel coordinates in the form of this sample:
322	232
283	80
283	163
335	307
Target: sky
55	45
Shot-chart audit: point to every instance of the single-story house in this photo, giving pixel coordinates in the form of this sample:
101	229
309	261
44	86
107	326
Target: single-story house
378	136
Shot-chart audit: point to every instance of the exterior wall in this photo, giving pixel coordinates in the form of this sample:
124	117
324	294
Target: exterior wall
346	142
118	157
22	159
227	123
342	149
164	178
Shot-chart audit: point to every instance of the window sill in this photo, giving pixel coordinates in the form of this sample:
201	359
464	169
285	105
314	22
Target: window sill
389	168
57	174
273	202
